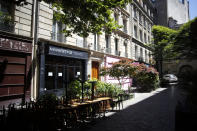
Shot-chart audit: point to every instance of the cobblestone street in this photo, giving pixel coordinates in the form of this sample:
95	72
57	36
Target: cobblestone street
153	111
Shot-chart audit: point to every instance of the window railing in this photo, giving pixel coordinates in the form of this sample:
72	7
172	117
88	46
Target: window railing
117	53
108	50
8	27
59	37
126	54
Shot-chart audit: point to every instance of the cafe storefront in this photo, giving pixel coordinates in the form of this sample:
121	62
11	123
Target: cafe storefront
59	66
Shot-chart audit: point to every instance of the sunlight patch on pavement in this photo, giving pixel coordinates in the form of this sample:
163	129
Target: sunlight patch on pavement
138	97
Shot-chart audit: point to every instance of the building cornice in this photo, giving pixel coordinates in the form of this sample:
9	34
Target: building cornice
122	34
13	36
141	44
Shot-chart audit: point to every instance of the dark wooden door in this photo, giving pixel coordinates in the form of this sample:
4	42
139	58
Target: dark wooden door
15	75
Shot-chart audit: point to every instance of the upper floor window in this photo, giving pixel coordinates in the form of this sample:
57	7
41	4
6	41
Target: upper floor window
136	52
148	39
116	47
146	56
125	47
57	28
145	22
141	39
96	42
107	42
125	25
81	41
149	12
141	53
135	12
182	1
140	17
116	17
135	31
6	16
145	38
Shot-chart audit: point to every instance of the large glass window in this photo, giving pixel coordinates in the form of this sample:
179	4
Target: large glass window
59	72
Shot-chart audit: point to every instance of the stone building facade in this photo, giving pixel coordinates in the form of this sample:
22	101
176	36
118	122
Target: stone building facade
15	51
171	13
54	60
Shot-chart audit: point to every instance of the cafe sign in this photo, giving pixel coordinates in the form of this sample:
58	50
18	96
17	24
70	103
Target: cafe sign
14	45
57	51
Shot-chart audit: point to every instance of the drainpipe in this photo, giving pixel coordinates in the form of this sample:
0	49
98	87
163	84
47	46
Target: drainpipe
34	33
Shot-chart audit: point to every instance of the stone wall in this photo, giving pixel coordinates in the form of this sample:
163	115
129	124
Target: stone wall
23	18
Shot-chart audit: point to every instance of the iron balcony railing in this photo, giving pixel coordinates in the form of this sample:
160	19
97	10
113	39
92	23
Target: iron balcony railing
108	50
59	37
8	27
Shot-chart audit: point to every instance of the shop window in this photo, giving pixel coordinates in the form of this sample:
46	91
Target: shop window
60	72
6	16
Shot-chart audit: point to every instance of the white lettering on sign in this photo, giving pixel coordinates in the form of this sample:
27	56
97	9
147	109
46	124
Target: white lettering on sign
60	74
50	73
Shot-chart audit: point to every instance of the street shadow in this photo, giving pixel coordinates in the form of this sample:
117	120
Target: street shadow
156	113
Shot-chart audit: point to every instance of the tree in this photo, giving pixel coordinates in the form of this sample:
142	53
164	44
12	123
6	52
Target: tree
163	45
186	40
146	77
85	16
119	70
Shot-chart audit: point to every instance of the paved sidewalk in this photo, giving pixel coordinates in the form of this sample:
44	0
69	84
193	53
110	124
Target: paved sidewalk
153	111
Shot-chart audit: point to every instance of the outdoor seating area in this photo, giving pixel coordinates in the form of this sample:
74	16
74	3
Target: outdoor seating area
50	112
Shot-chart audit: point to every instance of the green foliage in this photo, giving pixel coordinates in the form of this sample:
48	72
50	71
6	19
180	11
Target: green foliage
86	16
119	70
48	101
5	18
186	39
74	90
146	77
163	42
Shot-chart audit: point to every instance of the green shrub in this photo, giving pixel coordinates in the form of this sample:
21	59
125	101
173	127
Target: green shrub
74	90
48	101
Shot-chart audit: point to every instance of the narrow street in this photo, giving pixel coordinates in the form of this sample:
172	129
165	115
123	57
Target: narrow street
153	111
